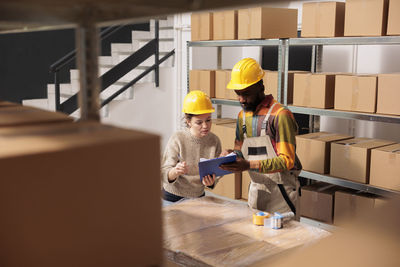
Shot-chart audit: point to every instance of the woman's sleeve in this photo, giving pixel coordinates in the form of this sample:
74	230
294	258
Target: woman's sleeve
170	158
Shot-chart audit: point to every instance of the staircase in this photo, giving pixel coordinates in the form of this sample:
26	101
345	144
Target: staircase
119	52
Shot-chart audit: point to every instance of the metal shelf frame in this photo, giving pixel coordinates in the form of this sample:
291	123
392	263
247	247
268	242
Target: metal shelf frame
316	63
349	184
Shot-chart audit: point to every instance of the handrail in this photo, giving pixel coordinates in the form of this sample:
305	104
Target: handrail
60	63
140	76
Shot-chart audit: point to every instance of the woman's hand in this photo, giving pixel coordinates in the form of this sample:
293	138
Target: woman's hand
179	169
209	180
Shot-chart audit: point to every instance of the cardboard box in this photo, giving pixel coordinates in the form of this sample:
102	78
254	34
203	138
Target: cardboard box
385	167
271	84
202	26
356	93
16	115
393	27
317	201
225	25
314	150
314	90
323	19
350	159
267	23
229	185
365	18
351	206
70	196
203	80
388	94
222	78
245	184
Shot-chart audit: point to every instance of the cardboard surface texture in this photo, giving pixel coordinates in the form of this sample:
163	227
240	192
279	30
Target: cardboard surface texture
356	93
267	23
230	184
314	90
245	184
225	25
7	104
385	167
222	78
76	196
393	27
203	80
323	19
350	159
17	115
202	26
317	201
314	150
365	18
388	94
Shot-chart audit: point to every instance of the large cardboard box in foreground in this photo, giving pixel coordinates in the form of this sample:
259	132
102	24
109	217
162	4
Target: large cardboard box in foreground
203	80
229	185
314	150
16	115
393	27
388	94
385	167
365	17
350	158
350	205
267	23
79	194
225	25
356	93
317	201
323	19
202	26
315	90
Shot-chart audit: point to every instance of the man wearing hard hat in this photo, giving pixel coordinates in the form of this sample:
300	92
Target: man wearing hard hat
265	142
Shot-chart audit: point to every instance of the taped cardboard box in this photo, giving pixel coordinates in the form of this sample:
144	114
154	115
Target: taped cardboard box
245	184
203	80
225	25
73	189
350	158
229	185
323	19
385	167
393	27
356	93
271	84
267	23
317	201
314	150
222	78
365	18
17	115
315	90
388	94
202	26
350	205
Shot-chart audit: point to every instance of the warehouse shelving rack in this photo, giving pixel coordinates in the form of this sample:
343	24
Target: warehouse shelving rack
316	62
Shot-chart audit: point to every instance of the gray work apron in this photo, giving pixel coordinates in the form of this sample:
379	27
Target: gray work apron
272	192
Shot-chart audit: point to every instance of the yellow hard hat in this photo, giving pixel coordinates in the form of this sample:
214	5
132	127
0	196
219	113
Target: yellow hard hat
245	73
197	102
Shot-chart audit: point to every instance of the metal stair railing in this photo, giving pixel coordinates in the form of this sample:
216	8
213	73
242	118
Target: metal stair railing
114	74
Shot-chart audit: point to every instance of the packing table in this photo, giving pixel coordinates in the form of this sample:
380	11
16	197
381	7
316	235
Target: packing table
210	231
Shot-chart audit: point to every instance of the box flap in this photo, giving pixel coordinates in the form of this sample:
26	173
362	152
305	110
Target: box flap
395	148
362	142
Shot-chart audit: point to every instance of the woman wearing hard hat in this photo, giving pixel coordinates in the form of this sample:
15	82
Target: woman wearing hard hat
179	169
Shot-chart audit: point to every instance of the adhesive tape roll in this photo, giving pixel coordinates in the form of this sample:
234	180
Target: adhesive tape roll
258	218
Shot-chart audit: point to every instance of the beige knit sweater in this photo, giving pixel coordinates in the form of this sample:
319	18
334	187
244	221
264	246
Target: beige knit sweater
183	146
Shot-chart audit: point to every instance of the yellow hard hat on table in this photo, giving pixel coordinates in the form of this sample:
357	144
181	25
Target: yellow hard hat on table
197	102
245	73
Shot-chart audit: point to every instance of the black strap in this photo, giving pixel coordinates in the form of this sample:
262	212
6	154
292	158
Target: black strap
286	197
